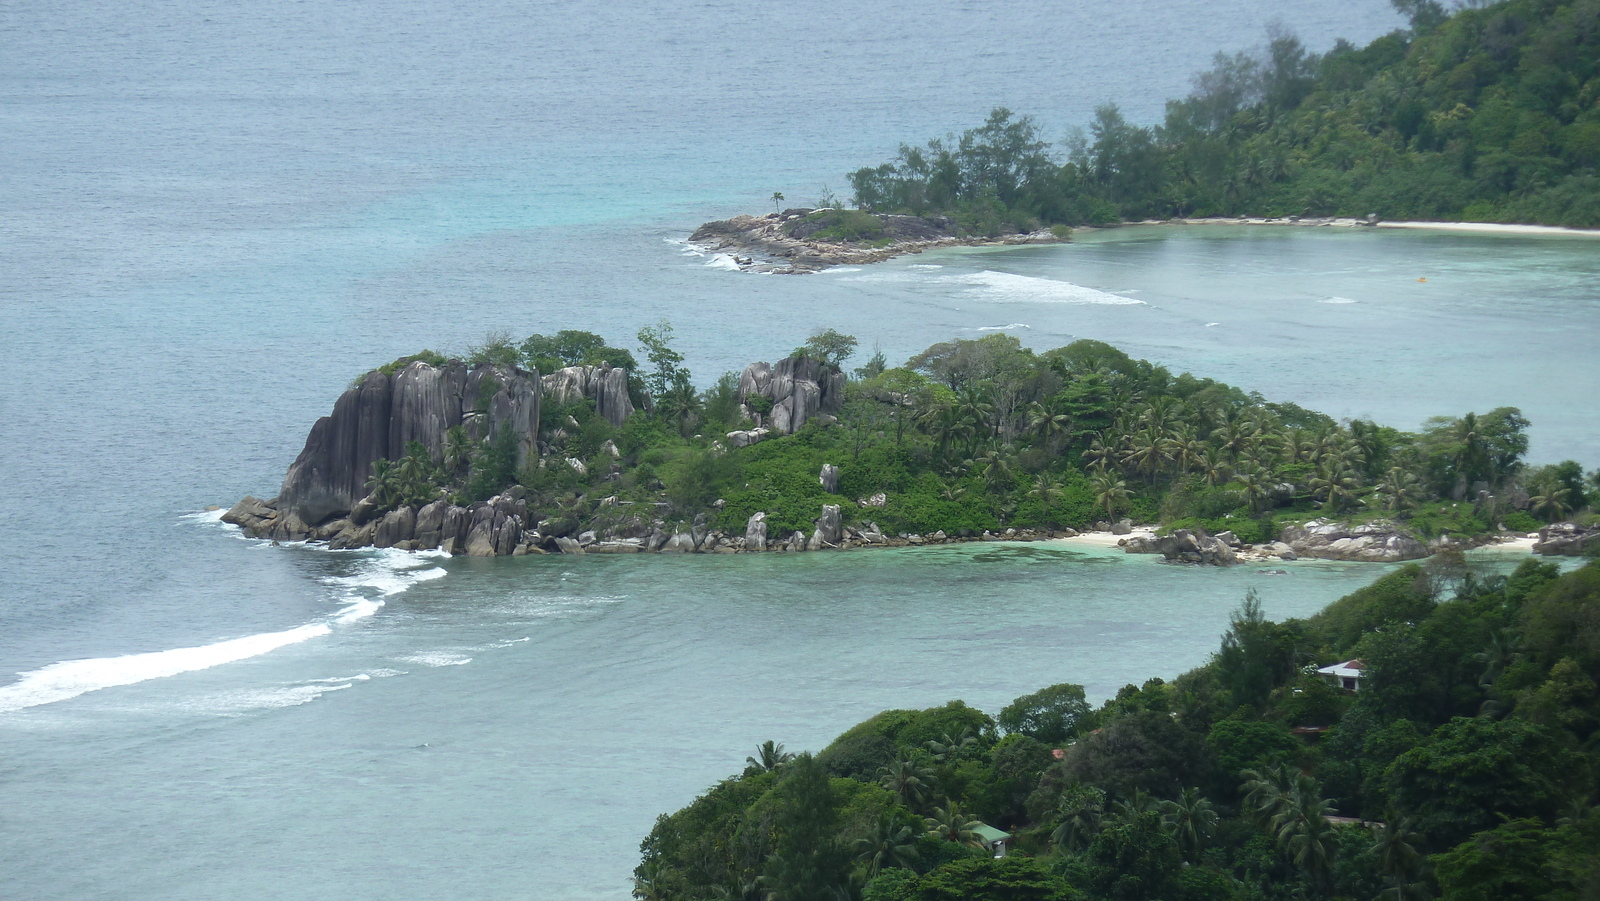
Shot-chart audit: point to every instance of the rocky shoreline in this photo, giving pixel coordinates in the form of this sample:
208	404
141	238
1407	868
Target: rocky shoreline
1378	541
775	243
503	526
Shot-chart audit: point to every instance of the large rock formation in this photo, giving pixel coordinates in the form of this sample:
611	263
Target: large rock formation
1566	539
1379	541
797	389
606	385
755	532
375	419
1184	546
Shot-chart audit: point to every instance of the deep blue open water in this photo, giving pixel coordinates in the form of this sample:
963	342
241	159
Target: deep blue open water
213	215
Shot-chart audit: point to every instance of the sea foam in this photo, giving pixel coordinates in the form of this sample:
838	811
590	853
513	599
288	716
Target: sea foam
70	678
381	574
1009	287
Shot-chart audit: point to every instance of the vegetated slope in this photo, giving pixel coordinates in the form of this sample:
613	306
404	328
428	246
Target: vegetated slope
1466	763
1490	114
968	436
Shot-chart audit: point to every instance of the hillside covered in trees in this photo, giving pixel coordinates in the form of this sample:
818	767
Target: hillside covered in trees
1490	113
972	436
1464	767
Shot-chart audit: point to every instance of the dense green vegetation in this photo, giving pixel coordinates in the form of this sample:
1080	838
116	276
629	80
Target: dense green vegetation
1467	763
1491	113
975	435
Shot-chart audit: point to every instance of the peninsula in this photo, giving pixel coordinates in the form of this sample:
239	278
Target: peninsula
1484	115
969	440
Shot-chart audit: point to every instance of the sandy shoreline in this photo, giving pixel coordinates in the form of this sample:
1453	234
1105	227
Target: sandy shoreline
1484	228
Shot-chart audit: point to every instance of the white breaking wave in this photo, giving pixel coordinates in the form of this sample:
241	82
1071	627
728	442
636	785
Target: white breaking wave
1212	324
722	261
70	678
1006	286
1337	300
1003	328
384	573
438	658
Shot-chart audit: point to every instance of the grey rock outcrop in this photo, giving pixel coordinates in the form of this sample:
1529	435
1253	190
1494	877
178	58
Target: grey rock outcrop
829	478
798	389
747	437
430	524
396	526
1379	541
755	532
496	527
829	526
376	418
1563	539
1195	546
606	385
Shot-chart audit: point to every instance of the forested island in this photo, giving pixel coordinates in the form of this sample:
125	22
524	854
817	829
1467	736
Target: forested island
1489	113
968	440
1459	762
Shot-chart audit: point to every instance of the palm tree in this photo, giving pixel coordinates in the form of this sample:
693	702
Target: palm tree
995	468
1047	488
1291	806
1191	818
1051	427
1398	859
1305	833
1399	489
1139	802
1110	491
1147	451
950	824
1214	467
769	756
909	780
459	450
1335	483
1551	502
777	198
1295	444
947	748
952	491
1102	450
1185	448
890	844
1255	487
384	485
1265	791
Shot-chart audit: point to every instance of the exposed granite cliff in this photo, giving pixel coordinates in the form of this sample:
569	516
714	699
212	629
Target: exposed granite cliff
375	419
607	386
797	389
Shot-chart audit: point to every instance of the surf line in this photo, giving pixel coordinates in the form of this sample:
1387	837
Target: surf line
388	573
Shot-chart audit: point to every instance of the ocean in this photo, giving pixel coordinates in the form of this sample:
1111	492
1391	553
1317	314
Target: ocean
214	215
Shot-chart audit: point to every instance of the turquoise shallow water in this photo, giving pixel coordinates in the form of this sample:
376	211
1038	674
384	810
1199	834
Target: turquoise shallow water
215	214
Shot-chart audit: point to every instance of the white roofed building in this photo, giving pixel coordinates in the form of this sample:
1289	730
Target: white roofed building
1346	675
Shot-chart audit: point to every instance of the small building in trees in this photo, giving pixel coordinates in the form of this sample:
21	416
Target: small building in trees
993	839
1346	675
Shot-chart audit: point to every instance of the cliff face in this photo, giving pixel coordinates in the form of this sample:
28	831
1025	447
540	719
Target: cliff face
375	419
607	386
798	387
